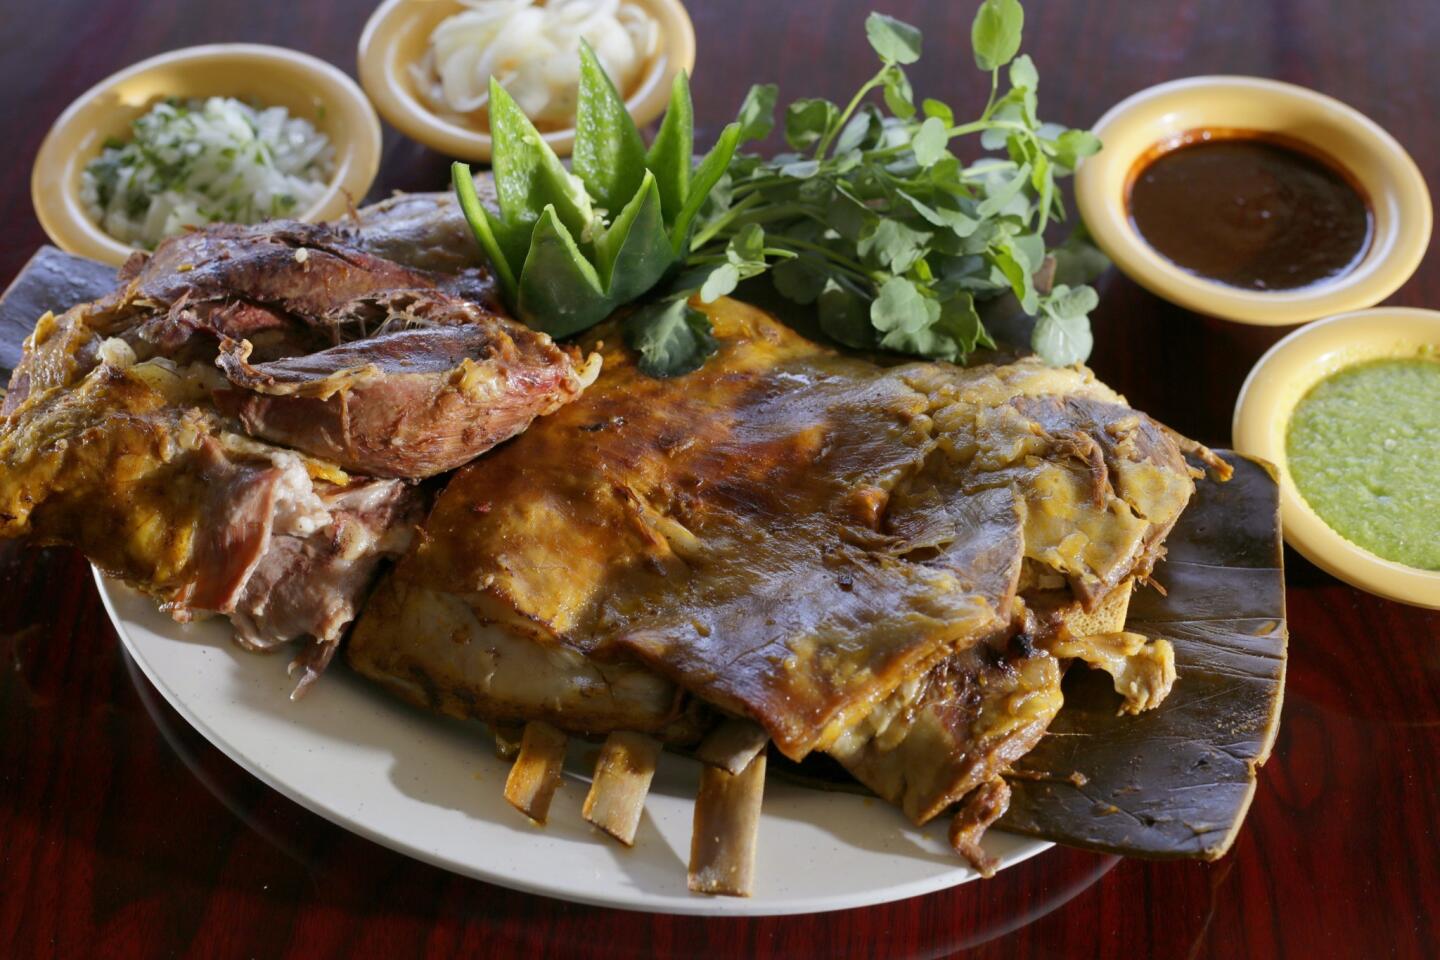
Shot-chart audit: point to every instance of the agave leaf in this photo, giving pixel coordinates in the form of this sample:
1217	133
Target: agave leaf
1176	781
673	152
609	156
559	290
528	175
51	280
635	252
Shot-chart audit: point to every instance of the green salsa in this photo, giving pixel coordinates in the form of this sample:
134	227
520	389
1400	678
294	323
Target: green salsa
1364	449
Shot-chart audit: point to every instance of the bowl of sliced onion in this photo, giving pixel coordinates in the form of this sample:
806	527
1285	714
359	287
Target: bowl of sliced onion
229	132
427	64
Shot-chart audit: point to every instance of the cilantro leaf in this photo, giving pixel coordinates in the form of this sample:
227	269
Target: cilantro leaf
899	96
863	130
1078	260
744	258
801	169
799	279
844	315
671	337
1023	75
995	34
808	121
1072	146
893	245
757	112
997	199
900	307
934	108
929	142
1062	332
721	282
895	40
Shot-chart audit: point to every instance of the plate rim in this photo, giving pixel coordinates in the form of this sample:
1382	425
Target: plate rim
698	905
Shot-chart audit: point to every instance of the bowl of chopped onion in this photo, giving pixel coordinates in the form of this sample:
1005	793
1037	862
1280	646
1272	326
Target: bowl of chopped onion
427	64
233	133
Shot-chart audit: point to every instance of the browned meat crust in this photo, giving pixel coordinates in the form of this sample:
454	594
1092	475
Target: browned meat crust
790	534
410	403
883	564
425	230
379	367
305	270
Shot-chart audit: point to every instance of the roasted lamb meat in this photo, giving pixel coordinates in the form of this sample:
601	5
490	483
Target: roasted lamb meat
891	565
233	429
381	368
789	557
159	490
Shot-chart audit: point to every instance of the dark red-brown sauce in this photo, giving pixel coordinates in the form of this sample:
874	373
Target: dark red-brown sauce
1249	209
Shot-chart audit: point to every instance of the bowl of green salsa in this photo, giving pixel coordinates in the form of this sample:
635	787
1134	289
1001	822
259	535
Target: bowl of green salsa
1348	410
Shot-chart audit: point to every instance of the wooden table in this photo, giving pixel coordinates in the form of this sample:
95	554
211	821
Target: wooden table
124	833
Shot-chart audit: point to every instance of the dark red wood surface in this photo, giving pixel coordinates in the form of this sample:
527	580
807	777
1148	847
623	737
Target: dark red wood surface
124	833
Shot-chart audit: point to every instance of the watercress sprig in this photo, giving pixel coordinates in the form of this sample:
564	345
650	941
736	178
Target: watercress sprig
874	220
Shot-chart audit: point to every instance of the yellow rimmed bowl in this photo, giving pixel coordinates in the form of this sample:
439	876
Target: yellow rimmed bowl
395	40
1394	186
271	76
1262	416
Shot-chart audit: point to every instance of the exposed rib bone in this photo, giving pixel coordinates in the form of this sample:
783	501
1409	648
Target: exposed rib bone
727	824
622	779
732	745
536	772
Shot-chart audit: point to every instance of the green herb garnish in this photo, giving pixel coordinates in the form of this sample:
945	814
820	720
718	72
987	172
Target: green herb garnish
571	247
871	217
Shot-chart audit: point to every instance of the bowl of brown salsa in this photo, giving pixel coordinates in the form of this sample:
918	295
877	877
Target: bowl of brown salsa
1254	200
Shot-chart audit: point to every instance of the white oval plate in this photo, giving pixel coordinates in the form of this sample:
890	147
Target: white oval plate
431	788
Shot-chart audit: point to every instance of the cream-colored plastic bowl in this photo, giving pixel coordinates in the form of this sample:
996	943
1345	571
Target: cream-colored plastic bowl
398	32
1390	179
1262	415
273	76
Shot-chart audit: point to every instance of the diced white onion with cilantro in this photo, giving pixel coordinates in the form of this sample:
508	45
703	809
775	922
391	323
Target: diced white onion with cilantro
533	50
195	162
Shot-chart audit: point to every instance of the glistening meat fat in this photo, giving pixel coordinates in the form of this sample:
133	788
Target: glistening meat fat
412	401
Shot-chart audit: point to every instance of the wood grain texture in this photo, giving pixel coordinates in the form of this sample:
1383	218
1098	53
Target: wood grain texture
122	833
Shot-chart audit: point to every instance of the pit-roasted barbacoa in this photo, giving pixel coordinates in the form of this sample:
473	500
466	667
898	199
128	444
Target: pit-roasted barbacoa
890	565
232	429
